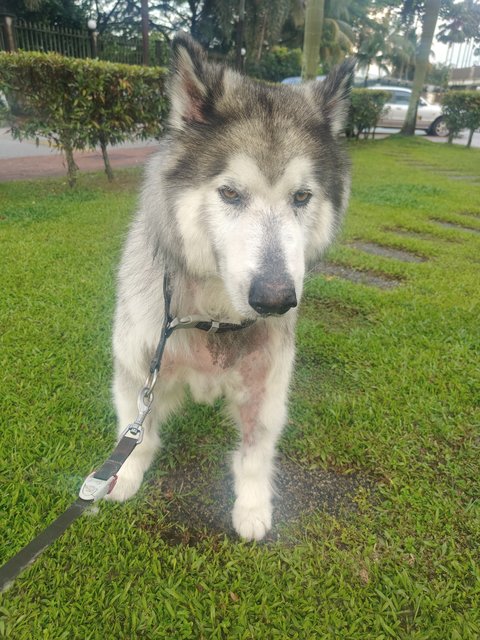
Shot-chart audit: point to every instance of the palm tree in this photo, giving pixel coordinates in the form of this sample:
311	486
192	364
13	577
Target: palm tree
338	39
371	48
401	54
432	9
313	34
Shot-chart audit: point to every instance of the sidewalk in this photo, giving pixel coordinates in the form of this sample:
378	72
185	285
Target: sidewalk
26	161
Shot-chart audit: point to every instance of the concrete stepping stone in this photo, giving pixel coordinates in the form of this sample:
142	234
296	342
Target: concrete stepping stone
411	233
455	225
369	278
387	252
462	177
469	214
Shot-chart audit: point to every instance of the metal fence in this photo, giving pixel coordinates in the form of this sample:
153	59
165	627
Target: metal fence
42	37
18	34
116	49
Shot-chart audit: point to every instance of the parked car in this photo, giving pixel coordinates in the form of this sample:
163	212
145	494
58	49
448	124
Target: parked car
429	116
298	79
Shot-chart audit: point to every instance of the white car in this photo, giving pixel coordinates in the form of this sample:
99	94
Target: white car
298	79
429	116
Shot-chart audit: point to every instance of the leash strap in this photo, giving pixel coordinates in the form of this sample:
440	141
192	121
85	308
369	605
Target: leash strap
101	482
29	554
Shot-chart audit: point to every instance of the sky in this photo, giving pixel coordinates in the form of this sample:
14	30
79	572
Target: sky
459	56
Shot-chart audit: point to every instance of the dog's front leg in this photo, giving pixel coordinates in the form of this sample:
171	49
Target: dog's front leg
126	390
261	415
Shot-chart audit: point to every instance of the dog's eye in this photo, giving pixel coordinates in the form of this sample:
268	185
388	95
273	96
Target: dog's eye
230	195
301	197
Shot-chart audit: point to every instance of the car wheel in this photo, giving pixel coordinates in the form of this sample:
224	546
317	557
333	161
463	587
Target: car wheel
439	128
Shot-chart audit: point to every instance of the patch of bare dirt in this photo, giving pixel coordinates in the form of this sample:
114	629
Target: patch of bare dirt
196	505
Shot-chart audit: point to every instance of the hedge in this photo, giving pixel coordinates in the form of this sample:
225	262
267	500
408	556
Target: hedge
462	111
366	108
277	64
78	104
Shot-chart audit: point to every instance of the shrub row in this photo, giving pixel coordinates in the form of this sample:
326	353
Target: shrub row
462	111
366	108
277	64
78	104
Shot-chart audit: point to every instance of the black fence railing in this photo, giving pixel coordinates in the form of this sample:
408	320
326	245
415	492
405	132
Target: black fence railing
18	34
116	49
42	37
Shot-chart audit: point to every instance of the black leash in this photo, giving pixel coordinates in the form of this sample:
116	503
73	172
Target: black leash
100	483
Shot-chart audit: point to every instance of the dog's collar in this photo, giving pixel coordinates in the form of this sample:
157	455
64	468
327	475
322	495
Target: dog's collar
207	324
194	321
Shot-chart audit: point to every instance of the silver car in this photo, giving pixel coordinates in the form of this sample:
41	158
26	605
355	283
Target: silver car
429	116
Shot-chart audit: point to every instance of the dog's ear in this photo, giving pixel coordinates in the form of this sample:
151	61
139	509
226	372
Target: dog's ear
191	77
333	94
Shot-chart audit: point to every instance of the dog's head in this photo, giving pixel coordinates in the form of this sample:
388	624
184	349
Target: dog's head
256	179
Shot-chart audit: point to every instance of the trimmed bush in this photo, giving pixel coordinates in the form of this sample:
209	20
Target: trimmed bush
462	111
78	104
366	107
277	64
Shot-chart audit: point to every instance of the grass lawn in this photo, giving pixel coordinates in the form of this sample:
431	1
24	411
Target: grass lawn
383	415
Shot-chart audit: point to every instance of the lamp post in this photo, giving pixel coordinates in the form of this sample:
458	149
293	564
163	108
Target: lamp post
240	58
92	27
145	24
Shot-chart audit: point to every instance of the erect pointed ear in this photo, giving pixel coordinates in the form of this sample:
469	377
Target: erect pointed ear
333	95
190	82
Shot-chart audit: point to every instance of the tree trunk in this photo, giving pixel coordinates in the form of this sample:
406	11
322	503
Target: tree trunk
470	137
262	37
106	160
312	38
71	164
365	82
432	8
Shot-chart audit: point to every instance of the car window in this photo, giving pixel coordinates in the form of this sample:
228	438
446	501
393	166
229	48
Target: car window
399	97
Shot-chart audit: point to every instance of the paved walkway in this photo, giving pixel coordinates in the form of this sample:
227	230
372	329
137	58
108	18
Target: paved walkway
31	167
25	160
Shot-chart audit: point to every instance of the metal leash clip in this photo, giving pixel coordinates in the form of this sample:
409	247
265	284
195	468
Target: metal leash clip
93	488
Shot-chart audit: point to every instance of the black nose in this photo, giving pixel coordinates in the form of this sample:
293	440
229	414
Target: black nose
269	296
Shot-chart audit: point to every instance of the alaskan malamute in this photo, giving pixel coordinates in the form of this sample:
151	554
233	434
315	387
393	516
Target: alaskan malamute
244	195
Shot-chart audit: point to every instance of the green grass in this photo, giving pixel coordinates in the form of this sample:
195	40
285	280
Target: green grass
387	385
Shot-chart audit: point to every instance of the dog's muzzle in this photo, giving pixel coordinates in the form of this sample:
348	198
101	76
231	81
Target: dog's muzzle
272	296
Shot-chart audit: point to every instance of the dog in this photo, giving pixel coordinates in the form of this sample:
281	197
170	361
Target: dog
245	194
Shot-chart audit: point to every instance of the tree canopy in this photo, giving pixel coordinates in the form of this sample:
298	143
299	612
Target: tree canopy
382	32
65	13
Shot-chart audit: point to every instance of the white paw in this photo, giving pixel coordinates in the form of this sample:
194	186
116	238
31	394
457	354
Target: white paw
252	523
128	483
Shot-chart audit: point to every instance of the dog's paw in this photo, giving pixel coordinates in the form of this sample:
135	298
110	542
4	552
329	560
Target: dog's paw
252	523
128	483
